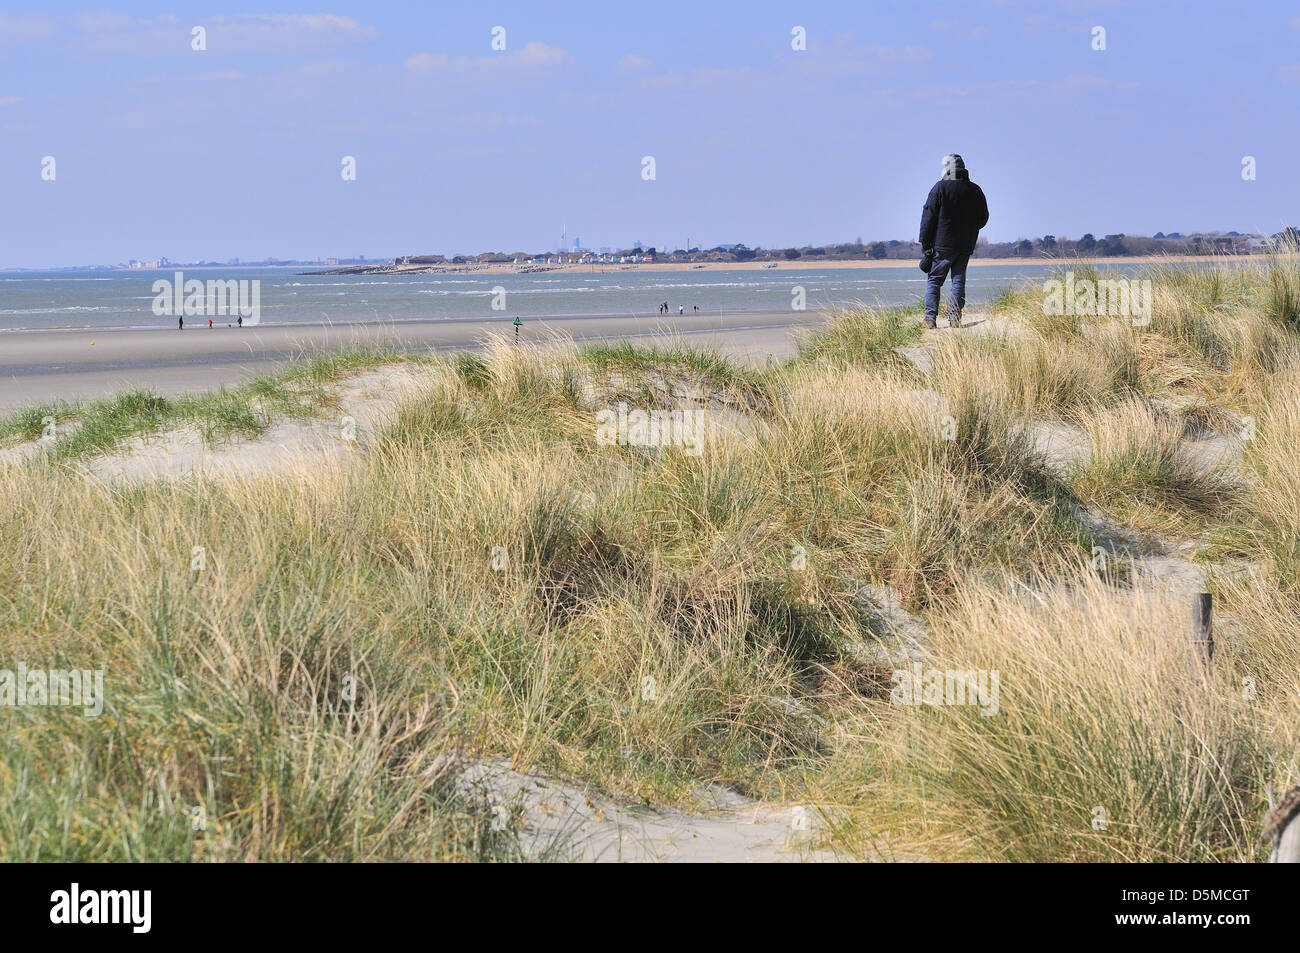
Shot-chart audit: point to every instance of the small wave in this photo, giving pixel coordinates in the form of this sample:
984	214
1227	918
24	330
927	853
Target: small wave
64	310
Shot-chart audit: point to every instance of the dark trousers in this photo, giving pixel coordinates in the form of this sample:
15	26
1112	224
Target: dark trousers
946	262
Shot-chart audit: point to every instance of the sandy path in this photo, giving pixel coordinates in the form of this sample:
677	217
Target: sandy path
559	820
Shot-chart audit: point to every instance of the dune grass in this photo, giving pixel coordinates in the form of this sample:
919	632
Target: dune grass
706	367
862	336
75	429
305	657
1110	740
1143	471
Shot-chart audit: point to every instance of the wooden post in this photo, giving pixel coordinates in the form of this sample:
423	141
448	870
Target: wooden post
1287	850
1202	624
1282	829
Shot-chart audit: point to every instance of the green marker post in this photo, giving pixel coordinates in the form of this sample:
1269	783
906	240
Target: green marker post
517	323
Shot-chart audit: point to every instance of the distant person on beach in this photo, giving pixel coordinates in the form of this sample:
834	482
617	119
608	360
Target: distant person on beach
180	323
681	309
954	213
209	323
240	321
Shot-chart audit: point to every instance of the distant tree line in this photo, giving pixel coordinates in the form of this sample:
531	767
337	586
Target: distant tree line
1047	246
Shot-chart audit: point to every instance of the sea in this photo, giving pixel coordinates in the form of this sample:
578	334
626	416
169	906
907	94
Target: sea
123	300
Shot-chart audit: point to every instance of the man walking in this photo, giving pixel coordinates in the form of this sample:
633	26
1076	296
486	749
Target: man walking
954	213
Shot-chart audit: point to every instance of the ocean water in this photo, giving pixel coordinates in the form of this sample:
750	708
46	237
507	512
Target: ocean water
124	299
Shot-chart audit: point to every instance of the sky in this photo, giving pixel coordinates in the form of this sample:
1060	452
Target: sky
238	149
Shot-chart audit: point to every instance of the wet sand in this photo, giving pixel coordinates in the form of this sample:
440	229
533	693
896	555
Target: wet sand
41	366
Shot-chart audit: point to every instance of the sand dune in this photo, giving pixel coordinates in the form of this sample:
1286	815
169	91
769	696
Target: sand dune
43	366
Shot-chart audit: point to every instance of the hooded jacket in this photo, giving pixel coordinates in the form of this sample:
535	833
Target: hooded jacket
954	213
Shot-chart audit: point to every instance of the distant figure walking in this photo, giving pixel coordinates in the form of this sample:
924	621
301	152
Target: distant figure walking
681	309
955	211
180	322
240	322
209	322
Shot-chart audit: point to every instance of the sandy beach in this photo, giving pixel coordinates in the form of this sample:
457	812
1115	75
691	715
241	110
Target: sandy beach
42	366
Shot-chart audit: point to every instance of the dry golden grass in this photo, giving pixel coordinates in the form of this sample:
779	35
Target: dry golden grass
487	578
1143	471
1110	741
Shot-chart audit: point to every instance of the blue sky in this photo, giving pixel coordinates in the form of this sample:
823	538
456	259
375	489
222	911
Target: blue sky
236	150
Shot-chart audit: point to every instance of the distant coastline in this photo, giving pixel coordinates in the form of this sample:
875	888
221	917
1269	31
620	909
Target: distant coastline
803	264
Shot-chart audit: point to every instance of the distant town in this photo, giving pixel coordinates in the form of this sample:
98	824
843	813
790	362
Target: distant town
573	253
1047	246
1117	245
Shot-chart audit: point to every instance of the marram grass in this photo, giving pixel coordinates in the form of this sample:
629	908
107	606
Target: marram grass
296	662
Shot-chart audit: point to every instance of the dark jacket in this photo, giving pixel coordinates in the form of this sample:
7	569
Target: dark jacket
954	213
